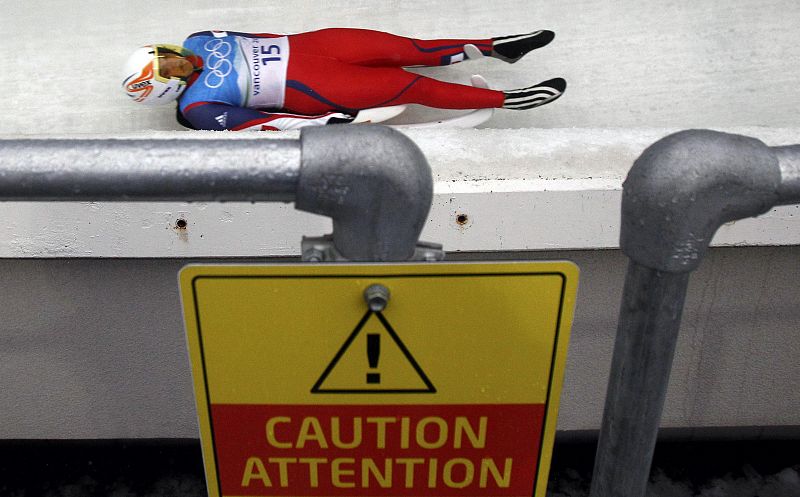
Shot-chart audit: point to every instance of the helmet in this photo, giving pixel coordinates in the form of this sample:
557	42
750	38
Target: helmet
142	81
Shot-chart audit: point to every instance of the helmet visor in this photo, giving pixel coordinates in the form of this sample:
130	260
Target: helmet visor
162	52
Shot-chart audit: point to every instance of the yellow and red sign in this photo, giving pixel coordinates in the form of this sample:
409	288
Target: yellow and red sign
451	390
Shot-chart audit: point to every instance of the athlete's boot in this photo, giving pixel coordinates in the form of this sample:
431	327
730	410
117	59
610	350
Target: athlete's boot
534	96
512	48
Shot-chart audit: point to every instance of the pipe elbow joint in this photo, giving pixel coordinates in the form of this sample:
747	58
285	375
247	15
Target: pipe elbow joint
374	183
685	186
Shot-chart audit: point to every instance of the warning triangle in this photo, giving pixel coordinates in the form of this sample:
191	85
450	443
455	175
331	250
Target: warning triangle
373	359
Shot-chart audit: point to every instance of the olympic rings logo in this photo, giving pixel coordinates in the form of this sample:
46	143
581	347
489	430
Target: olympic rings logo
216	64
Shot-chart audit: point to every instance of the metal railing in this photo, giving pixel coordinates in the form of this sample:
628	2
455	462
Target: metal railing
372	181
676	196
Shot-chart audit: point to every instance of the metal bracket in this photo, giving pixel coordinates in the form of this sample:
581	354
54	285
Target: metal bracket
322	249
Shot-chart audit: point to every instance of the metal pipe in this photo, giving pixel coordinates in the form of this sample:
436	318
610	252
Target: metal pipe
685	186
374	182
138	170
650	316
789	163
677	194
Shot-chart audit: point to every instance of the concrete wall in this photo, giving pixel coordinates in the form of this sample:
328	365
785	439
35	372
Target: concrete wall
95	348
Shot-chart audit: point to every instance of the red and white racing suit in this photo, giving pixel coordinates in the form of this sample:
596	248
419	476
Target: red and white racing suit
317	76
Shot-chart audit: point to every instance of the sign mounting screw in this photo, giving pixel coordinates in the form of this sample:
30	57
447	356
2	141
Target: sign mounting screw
377	297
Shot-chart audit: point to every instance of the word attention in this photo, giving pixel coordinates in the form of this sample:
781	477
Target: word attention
428	433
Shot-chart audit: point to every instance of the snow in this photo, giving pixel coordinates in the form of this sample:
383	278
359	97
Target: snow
744	482
717	467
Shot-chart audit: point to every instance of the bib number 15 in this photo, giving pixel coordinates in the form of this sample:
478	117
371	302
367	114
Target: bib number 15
273	50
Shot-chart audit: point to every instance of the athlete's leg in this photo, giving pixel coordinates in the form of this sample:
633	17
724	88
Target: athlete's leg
320	84
378	49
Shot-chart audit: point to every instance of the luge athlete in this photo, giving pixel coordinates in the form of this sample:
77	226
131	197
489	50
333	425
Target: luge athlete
225	80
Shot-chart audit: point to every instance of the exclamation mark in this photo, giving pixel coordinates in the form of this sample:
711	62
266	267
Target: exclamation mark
373	352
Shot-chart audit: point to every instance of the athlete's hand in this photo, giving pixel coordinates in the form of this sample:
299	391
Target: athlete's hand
340	118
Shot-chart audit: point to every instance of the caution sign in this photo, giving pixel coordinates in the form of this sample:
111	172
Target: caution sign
449	388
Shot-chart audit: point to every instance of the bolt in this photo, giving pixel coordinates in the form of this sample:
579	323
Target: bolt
313	255
430	257
377	297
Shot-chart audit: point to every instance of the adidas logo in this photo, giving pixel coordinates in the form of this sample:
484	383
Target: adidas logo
222	119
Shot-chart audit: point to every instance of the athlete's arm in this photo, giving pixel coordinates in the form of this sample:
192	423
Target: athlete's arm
218	34
218	117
